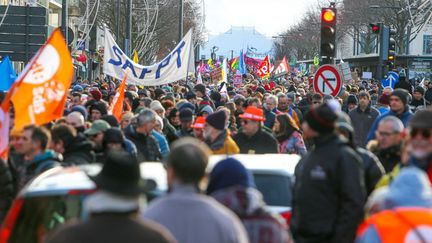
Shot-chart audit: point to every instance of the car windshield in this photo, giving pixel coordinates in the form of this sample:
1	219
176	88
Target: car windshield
40	215
276	189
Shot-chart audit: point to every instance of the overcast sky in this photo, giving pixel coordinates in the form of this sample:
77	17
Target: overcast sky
269	17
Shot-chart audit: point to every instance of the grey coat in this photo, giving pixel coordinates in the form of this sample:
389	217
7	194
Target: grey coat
362	122
195	218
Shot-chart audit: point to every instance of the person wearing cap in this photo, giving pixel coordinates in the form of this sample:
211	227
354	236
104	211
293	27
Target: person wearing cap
362	117
114	208
418	102
186	118
190	216
329	193
73	146
96	135
230	183
252	138
406	214
140	135
398	108
216	134
198	128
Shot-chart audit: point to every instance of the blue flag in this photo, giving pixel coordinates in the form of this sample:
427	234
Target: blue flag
7	74
242	65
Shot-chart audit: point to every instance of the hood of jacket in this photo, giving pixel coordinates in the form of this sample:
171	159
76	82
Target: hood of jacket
241	200
411	188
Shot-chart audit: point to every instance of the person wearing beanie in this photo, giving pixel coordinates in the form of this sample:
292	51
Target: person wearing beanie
419	102
97	110
216	134
398	108
404	84
331	211
251	137
351	102
186	116
230	183
96	94
81	109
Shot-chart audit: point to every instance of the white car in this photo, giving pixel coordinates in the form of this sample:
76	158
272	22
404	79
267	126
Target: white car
57	195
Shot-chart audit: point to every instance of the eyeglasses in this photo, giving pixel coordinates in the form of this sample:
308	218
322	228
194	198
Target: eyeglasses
385	134
426	133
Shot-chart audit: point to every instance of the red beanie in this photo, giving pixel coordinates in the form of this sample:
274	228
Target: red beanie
96	94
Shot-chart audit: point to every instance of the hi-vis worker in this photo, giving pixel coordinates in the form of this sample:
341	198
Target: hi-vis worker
407	214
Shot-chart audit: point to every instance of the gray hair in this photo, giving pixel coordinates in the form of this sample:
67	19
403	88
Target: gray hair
274	98
282	95
146	115
397	125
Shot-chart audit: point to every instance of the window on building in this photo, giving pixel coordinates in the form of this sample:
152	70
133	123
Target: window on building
427	44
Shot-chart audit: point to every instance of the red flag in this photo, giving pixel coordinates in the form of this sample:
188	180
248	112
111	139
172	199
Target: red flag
264	68
283	67
116	108
41	89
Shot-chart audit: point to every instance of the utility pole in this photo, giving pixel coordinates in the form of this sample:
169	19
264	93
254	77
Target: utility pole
64	19
128	40
180	20
118	21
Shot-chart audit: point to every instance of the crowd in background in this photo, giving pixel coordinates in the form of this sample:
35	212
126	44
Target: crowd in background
362	152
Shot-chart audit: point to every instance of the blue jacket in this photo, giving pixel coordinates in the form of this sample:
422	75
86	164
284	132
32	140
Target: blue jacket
410	188
404	117
163	143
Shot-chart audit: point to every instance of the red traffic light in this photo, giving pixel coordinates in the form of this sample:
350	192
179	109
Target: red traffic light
375	28
328	15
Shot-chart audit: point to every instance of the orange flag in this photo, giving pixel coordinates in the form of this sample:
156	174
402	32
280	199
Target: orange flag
42	87
117	105
4	125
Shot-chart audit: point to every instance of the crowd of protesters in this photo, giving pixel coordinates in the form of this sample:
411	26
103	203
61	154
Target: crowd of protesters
362	153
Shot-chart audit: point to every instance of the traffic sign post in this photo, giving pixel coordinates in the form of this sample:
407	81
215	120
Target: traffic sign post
327	81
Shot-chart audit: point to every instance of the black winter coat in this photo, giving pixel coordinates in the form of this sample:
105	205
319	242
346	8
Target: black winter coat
261	142
7	189
147	146
79	152
373	169
329	193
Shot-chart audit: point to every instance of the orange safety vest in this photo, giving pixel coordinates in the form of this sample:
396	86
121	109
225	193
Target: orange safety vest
402	225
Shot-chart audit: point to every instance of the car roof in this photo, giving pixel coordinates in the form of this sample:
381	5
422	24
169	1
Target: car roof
263	163
60	181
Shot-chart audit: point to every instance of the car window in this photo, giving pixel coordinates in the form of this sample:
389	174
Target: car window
276	189
40	215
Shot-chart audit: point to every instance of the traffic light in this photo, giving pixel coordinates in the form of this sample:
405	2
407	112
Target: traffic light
376	28
328	35
391	46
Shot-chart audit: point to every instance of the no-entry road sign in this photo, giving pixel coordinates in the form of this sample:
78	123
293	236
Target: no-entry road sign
327	81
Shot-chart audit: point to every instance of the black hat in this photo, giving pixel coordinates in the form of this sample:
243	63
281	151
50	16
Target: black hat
402	94
352	99
321	119
201	88
112	120
121	175
186	115
159	92
420	90
421	119
217	120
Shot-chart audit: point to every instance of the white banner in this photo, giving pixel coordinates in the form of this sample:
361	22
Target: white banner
172	68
